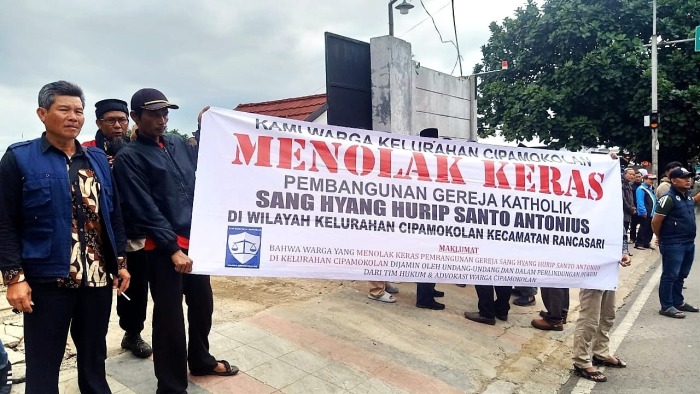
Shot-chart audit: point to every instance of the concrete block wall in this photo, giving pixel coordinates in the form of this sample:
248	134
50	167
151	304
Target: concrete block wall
407	98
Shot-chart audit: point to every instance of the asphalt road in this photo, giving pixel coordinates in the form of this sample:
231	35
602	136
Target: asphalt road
663	354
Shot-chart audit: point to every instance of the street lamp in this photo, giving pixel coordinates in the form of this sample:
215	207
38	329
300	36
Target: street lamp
403	8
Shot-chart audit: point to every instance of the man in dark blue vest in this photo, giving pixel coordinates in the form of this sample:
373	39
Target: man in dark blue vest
62	243
674	227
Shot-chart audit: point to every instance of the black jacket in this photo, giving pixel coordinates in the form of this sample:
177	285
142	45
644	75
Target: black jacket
628	207
156	186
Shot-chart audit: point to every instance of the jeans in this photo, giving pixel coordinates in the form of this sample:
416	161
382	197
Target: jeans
676	258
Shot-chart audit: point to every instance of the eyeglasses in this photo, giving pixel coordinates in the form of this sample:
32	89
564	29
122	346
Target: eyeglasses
112	121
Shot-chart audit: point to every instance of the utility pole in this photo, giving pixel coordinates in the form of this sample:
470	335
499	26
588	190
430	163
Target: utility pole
654	96
473	134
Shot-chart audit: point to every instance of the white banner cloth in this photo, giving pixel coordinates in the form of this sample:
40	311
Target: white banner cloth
284	198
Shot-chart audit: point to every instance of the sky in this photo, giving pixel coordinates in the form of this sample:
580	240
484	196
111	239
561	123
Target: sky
208	52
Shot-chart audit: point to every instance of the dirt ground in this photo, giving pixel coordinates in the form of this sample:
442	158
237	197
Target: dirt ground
236	298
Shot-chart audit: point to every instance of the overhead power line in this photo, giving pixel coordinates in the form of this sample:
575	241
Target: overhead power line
459	56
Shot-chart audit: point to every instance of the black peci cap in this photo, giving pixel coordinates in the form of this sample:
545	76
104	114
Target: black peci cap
104	106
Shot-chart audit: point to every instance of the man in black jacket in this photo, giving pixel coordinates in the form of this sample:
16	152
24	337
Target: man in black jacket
155	175
628	200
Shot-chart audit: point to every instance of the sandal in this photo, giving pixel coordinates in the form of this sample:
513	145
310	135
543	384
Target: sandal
391	289
687	308
672	312
230	370
606	363
386	297
595	376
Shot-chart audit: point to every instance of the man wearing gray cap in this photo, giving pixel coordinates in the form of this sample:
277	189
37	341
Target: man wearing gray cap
155	177
675	229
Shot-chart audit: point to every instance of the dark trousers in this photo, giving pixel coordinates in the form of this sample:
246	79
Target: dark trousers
524	291
86	312
645	233
132	313
634	224
490	307
424	293
676	261
557	303
171	354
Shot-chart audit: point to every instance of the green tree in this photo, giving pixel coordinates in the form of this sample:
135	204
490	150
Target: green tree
581	76
177	133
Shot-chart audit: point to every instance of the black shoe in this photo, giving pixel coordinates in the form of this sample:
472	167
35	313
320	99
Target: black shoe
524	301
434	306
502	318
476	316
438	293
136	345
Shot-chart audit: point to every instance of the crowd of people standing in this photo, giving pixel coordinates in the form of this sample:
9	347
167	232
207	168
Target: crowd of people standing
79	220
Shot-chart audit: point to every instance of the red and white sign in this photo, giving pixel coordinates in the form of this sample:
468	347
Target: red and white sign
284	198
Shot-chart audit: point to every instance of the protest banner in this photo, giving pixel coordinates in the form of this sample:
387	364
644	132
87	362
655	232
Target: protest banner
283	198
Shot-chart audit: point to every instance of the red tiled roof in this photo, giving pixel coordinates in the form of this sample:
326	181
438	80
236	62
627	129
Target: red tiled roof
298	108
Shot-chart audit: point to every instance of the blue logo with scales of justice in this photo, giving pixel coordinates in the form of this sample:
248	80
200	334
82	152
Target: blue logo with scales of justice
243	247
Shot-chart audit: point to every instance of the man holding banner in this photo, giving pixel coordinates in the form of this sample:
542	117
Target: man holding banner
156	176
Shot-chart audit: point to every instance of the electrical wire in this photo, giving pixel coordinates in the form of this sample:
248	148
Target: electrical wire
435	25
459	57
421	22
